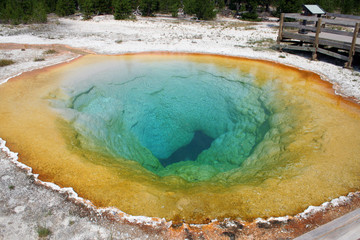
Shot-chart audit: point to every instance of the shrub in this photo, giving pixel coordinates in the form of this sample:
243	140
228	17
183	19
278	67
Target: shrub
6	62
50	51
39	59
250	16
43	231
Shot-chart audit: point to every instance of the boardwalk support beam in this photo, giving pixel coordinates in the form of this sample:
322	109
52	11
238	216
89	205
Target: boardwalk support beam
352	49
316	42
279	39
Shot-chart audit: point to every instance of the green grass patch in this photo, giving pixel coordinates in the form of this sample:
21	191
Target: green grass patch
6	62
43	231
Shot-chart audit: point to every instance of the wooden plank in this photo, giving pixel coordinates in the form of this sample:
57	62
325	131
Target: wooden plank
338	32
346	23
300	17
346	227
336	44
335	37
313	29
332	54
299	26
302	37
343	16
312	49
324	39
338	41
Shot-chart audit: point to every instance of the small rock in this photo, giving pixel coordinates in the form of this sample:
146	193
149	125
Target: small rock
6	177
19	209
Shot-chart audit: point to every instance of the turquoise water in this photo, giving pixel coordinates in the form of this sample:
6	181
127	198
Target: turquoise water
182	118
185	137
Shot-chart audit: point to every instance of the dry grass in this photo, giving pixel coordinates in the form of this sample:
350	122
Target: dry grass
50	51
262	42
39	59
244	25
6	62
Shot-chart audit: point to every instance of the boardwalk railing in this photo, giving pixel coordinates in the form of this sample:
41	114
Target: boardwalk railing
332	34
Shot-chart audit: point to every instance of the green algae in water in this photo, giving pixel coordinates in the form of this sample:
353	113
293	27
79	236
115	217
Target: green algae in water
181	118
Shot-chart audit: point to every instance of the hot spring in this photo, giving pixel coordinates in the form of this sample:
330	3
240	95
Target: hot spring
185	136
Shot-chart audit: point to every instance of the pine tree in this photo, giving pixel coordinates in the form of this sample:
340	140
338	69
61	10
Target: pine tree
27	9
65	7
102	6
174	9
50	5
122	9
2	10
266	4
148	7
251	8
189	6
348	6
289	6
164	6
39	11
87	8
204	9
220	4
13	12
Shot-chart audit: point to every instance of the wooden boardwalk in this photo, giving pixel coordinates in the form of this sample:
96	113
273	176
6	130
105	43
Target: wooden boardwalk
346	227
333	35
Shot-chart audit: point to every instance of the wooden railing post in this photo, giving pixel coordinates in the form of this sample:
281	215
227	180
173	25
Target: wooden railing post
352	49
316	42
279	39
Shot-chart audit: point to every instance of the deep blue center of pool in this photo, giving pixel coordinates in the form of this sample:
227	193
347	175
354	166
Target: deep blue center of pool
199	143
180	118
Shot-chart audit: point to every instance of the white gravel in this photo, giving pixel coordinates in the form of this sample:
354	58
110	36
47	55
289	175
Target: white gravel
104	35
